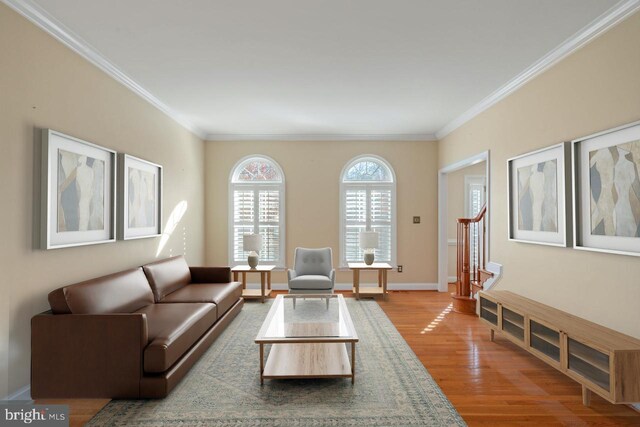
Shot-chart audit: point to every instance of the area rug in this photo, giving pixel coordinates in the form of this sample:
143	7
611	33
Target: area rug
392	387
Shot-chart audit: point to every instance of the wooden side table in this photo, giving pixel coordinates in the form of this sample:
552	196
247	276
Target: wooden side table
381	267
265	279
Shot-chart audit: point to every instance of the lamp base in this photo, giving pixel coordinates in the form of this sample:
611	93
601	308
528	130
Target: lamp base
368	258
252	260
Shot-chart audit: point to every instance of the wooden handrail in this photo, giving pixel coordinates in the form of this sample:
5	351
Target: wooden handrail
468	266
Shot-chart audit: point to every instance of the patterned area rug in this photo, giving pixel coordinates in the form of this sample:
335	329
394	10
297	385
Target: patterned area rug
392	387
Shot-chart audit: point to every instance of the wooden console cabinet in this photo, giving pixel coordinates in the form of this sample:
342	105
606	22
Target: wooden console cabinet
604	361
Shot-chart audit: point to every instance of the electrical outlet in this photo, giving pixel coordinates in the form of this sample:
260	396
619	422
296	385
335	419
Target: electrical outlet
399	268
416	220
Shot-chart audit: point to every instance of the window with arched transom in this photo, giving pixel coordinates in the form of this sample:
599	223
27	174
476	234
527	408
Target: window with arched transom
367	203
256	205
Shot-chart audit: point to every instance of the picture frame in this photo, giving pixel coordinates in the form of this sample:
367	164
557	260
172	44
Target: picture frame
78	192
606	191
539	196
140	189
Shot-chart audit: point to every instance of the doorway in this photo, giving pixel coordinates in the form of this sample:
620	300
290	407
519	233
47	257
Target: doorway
474	190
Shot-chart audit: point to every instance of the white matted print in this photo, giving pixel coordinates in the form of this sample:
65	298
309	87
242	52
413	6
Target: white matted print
538	194
78	192
607	191
141	198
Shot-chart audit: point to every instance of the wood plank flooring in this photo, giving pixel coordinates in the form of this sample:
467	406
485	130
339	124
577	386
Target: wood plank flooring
490	384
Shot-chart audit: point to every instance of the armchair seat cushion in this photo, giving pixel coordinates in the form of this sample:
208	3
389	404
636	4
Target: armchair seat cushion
311	281
172	330
223	295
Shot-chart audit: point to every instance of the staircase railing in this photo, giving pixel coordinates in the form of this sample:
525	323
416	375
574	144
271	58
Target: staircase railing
471	261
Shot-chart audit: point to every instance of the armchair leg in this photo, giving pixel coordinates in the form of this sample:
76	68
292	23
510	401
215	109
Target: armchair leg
327	303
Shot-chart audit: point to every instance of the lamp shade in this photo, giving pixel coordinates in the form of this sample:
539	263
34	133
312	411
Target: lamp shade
368	240
252	242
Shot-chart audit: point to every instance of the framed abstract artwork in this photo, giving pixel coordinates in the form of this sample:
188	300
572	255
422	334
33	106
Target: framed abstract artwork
539	195
78	192
606	193
140	198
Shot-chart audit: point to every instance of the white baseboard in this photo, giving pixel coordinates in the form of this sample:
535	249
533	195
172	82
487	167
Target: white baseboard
452	279
23	393
348	286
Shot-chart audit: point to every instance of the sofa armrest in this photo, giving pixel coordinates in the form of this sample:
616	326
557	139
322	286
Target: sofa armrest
87	355
332	276
210	274
291	274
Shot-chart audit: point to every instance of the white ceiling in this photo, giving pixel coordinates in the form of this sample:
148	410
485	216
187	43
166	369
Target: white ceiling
253	69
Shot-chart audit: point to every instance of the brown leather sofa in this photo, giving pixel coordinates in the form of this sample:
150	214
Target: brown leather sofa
132	334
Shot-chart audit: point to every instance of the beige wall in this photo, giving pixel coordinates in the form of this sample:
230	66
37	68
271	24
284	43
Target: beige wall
44	84
455	206
312	171
594	89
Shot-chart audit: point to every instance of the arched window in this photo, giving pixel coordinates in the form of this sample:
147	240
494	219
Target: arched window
367	203
256	205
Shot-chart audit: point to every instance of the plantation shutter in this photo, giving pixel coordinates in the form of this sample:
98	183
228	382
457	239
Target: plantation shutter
381	217
257	210
243	218
269	224
355	222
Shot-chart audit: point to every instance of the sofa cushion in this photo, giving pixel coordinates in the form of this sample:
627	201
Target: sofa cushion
173	329
313	261
167	276
311	281
122	292
224	295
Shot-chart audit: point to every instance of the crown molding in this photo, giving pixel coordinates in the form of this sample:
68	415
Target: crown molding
320	137
607	20
34	13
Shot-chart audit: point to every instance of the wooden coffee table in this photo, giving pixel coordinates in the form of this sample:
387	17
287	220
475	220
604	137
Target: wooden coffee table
308	341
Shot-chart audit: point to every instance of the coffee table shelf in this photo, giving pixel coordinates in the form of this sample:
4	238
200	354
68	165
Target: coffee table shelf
319	360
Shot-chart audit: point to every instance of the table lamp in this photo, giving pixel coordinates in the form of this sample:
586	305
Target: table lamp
368	243
252	243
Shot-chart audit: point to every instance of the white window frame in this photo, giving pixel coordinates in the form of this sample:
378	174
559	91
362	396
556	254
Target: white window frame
368	186
256	186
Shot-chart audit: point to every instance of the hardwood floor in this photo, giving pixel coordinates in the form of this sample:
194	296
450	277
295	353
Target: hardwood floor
492	384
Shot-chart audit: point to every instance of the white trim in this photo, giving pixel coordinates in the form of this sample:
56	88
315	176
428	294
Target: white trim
443	250
604	22
347	286
496	269
427	137
452	242
343	186
41	18
452	279
23	393
254	185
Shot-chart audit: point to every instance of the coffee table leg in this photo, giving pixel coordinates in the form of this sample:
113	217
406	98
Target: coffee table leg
262	281
353	363
261	364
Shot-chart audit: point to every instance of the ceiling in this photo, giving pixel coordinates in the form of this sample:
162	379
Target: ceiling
335	69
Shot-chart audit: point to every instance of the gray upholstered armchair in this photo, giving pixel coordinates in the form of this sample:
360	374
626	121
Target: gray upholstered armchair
312	272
